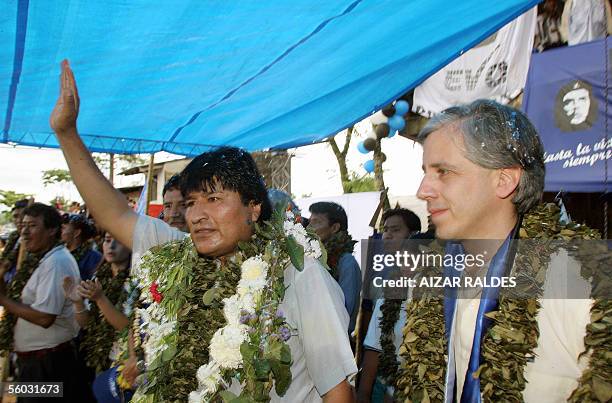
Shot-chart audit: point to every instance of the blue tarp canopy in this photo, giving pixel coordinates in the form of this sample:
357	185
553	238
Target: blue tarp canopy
182	75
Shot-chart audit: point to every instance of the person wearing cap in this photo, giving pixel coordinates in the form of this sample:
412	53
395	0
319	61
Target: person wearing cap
76	233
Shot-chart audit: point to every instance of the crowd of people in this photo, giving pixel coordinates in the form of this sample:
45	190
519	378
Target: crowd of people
233	296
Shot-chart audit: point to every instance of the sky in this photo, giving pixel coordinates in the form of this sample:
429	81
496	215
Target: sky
315	173
314	168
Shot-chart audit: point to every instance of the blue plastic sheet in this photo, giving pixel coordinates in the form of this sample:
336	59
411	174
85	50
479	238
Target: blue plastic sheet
181	76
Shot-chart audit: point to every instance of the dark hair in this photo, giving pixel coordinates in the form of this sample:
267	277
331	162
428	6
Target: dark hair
23	203
333	211
51	218
232	169
80	222
412	221
173	183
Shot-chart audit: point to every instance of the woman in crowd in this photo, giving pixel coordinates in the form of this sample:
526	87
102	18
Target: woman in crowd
111	295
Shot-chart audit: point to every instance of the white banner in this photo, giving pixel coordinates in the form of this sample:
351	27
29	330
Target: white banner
494	69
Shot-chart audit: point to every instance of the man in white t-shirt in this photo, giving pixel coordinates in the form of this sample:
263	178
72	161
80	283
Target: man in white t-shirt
45	317
224	196
398	225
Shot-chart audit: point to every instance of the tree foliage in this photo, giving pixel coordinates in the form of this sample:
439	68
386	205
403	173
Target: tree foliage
356	184
52	176
124	160
9	197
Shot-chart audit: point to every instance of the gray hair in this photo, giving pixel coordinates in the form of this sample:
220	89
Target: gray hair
496	136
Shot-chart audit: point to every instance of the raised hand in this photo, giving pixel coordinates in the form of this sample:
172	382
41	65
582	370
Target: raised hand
70	289
92	290
64	116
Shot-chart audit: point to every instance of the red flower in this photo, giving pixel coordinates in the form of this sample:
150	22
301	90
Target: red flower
298	219
157	296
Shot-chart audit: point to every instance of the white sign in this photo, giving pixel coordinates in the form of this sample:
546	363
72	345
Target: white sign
494	69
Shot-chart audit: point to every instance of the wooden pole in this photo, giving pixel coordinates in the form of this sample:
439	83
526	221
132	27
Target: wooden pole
149	181
4	355
111	169
22	251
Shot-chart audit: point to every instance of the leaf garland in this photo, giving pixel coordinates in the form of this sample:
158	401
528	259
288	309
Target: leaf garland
10	252
595	384
387	364
99	335
81	251
192	288
510	342
336	245
16	286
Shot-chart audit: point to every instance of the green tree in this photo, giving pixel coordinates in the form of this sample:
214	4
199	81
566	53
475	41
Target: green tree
356	184
9	197
52	176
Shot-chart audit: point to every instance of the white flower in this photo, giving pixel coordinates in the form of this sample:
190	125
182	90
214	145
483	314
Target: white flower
254	267
196	397
315	249
209	377
247	302
298	232
241	290
225	345
232	310
254	272
154	343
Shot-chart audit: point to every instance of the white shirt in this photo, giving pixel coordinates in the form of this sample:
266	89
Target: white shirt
44	292
313	303
372	339
553	374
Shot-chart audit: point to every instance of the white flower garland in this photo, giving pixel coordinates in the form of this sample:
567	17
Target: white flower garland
224	348
225	344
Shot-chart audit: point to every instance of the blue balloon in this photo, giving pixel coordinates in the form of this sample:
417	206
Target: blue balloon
396	122
391	133
361	148
369	166
401	107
